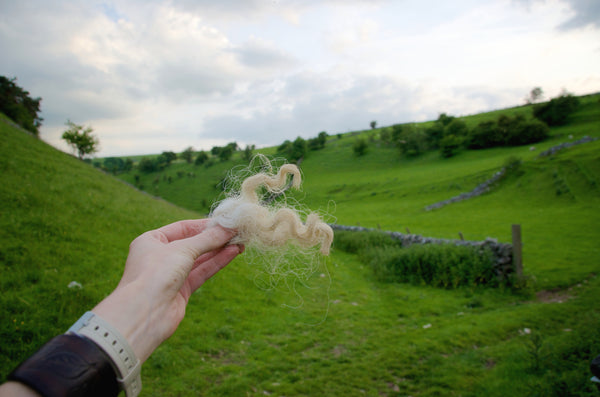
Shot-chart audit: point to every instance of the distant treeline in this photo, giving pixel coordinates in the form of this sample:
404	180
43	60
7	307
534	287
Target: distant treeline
16	103
292	151
450	134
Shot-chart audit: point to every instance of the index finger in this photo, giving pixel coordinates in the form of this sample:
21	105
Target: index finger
183	229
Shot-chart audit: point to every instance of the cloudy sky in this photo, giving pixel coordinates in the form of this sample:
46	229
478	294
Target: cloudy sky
153	75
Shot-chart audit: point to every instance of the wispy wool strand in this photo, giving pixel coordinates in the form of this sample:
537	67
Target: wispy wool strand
271	225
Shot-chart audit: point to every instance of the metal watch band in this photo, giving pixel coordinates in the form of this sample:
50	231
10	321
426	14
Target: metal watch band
126	364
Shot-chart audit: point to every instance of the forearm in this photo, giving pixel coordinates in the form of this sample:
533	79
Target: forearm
134	317
16	389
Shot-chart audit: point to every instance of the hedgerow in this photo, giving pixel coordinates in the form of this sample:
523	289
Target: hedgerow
438	265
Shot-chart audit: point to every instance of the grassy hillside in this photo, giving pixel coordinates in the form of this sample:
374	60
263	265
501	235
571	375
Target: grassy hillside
342	332
554	199
61	221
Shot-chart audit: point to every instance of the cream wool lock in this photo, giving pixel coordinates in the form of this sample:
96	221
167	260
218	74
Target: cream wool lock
267	224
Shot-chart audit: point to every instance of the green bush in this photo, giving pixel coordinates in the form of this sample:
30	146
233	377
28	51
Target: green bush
507	131
293	151
450	145
412	141
147	165
485	135
358	242
360	147
201	158
557	110
439	265
527	132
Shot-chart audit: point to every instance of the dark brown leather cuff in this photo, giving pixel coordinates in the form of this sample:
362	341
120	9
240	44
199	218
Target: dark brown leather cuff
68	365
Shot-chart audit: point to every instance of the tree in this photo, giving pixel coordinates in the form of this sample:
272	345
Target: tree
450	145
16	103
226	152
360	146
373	124
535	95
298	150
81	139
445	119
188	154
322	137
293	151
169	157
557	111
457	128
147	165
385	136
247	155
412	142
284	147
485	135
201	158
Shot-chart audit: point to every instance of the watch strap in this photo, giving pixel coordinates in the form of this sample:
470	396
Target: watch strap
108	338
68	366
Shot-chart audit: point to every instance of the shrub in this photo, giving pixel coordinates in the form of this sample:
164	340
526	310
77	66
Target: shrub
358	242
385	136
201	158
485	135
450	145
434	135
298	149
526	132
443	265
147	165
439	265
442	127
557	110
456	127
360	146
507	131
413	142
294	151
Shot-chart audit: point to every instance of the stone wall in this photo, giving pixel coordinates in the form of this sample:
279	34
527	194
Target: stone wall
502	252
479	190
565	145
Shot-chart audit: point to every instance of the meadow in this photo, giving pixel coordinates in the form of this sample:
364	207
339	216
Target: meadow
343	331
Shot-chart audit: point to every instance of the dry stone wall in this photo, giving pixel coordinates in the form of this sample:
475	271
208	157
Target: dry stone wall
565	145
502	252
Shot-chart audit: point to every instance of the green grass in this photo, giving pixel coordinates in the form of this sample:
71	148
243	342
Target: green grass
343	332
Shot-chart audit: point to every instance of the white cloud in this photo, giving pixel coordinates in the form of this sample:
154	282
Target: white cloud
163	75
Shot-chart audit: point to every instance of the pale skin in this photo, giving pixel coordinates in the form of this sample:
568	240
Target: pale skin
164	267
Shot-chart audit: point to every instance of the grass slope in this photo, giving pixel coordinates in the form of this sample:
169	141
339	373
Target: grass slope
342	333
61	221
554	199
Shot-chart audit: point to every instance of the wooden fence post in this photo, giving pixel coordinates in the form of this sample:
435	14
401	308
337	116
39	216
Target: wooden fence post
517	250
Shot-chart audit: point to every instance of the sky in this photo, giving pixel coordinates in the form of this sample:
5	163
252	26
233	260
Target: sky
151	76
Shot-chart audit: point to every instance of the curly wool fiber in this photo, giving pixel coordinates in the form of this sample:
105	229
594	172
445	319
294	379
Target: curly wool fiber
269	225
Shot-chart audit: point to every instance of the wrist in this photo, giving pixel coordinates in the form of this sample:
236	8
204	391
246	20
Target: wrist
109	340
132	317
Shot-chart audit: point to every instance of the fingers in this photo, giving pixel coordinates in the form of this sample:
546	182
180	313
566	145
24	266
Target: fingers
208	268
183	229
209	239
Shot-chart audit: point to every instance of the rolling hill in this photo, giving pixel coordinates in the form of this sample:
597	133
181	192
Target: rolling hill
342	332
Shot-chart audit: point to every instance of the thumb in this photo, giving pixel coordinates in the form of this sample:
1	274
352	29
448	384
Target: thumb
208	240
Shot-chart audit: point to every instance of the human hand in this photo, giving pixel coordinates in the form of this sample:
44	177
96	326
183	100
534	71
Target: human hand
164	267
